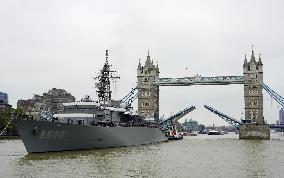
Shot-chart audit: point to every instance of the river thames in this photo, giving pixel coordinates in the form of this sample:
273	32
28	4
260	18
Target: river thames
199	156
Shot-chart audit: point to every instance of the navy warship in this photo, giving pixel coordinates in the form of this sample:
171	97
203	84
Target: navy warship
89	124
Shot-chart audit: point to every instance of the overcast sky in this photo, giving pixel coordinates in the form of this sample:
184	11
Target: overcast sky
47	44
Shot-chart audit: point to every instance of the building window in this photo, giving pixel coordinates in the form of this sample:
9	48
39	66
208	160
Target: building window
253	103
252	76
146	79
253	91
146	104
250	92
253	114
145	93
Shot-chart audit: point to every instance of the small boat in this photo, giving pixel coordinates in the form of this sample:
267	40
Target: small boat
175	138
215	132
191	134
203	131
174	135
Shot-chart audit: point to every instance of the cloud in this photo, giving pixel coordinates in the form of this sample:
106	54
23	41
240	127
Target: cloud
46	44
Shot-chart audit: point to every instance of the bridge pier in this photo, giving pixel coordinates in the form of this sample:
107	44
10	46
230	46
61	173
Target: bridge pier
254	131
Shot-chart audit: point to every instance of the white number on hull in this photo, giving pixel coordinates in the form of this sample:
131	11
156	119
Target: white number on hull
51	134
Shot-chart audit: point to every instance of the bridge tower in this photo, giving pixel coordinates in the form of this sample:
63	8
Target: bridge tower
254	126
253	84
148	92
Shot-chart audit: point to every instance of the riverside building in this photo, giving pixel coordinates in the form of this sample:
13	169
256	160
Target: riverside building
4	105
3	97
50	101
281	116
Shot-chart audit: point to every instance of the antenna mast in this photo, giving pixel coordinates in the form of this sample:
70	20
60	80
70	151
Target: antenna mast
104	78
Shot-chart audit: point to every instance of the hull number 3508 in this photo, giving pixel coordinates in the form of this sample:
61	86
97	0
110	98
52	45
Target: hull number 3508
52	134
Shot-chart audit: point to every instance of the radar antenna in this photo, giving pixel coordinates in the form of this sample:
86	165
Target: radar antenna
104	78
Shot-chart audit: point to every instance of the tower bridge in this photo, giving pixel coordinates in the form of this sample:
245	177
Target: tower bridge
148	83
198	80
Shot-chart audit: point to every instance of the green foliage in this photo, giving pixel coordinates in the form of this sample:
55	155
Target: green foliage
192	125
5	118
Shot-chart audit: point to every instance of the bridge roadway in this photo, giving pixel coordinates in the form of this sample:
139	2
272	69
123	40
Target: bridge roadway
198	80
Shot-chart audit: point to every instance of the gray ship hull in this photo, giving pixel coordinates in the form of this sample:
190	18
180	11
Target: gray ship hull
43	136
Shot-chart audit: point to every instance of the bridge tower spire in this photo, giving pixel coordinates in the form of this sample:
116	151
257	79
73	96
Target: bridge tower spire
253	84
148	92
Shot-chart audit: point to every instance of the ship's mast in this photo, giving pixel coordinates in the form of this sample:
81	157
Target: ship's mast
104	78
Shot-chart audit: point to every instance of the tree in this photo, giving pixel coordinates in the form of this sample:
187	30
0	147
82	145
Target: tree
5	118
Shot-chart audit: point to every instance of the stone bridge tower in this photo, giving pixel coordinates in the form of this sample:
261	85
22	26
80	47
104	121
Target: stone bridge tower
148	92
253	84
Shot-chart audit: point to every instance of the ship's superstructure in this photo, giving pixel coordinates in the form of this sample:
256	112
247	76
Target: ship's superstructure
89	124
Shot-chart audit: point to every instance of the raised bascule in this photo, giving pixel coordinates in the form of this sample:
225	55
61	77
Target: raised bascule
252	127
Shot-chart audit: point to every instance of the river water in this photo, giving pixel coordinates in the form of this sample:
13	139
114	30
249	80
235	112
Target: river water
199	156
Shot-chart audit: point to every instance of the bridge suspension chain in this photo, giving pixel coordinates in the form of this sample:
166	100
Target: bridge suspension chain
130	97
279	99
132	92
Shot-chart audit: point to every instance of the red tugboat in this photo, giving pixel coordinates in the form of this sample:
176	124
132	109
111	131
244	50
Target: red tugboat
173	134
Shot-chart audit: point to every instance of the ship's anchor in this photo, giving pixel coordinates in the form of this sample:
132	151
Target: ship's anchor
35	130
